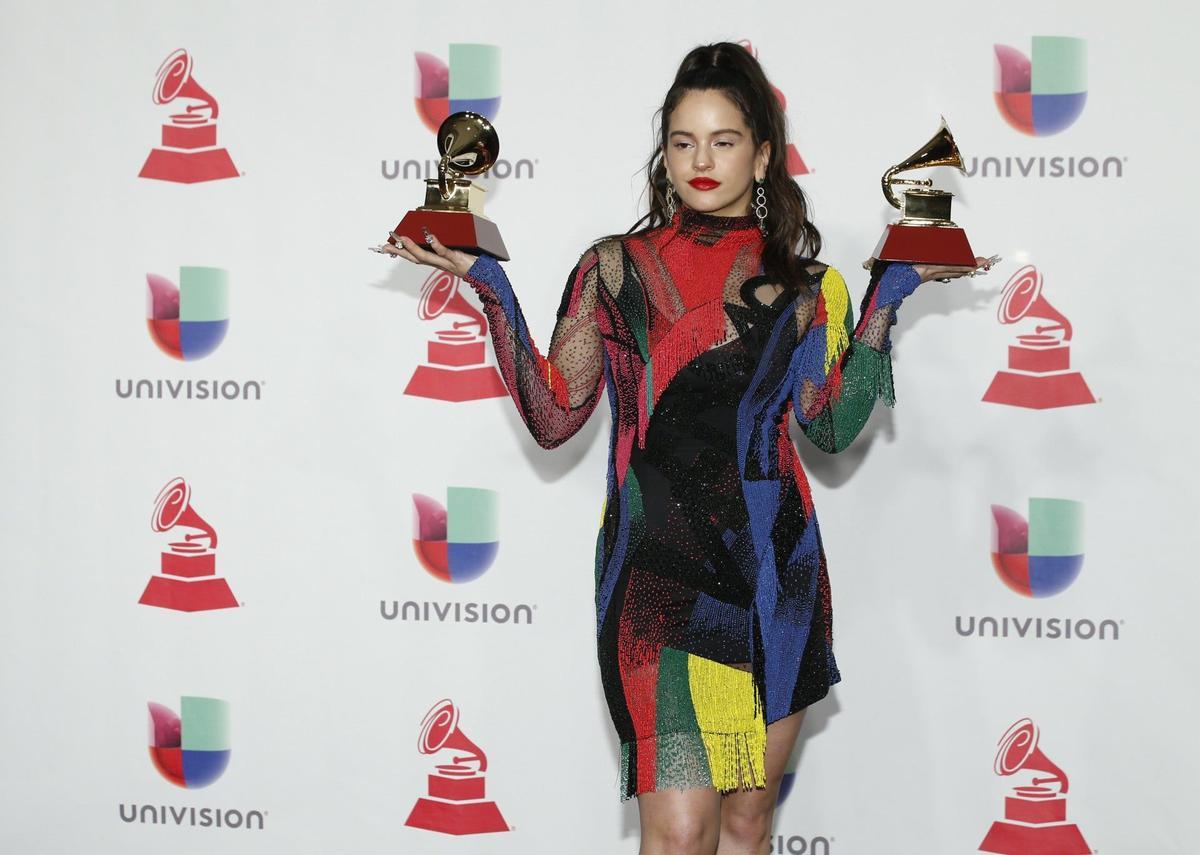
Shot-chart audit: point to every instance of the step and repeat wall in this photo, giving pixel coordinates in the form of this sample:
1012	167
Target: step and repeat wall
284	572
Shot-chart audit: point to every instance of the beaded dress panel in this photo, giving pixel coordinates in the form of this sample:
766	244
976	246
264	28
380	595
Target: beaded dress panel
713	613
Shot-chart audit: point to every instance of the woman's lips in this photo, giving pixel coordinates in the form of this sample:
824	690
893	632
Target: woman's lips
704	183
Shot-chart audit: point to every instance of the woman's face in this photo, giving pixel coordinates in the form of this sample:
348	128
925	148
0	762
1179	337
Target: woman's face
711	157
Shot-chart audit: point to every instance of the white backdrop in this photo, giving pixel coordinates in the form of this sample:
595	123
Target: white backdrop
310	486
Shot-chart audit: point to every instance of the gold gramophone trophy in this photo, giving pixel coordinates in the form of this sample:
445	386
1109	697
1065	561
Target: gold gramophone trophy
453	209
924	234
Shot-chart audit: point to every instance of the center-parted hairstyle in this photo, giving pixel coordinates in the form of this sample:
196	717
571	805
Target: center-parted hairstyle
732	70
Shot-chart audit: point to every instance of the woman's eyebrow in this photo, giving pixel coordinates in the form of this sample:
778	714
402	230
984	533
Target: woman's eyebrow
721	131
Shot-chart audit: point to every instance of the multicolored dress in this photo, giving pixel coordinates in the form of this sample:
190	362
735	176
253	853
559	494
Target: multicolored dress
713	614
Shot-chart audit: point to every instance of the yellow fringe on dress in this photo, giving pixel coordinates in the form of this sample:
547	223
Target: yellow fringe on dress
734	733
837	302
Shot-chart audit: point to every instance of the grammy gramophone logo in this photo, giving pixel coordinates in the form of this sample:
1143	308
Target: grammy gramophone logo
189	151
456	802
188	581
456	367
1035	813
795	163
1039	374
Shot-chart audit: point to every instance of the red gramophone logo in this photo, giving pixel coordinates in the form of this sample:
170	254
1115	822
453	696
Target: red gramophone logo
795	163
1039	375
1035	815
456	803
189	580
457	368
189	152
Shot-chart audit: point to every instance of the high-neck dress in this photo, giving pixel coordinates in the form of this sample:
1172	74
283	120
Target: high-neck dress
713	614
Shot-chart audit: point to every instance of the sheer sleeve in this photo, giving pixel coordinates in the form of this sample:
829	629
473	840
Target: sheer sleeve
555	393
839	370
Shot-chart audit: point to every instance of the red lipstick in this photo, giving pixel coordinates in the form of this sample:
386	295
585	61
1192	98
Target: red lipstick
704	183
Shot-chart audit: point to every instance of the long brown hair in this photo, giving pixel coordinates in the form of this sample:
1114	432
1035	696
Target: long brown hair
732	70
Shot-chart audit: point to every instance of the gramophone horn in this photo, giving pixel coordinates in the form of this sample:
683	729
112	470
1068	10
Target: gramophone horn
1018	750
439	729
1023	297
940	150
468	144
174	507
175	79
441	294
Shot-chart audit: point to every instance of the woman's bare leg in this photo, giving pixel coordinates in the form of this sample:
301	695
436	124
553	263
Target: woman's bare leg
680	822
746	815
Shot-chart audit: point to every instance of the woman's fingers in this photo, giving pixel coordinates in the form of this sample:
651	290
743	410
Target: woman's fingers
423	256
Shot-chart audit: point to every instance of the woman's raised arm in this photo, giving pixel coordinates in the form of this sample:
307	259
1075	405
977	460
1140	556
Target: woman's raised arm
839	369
557	392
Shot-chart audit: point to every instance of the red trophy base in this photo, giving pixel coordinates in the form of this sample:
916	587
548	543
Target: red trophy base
455	229
1009	838
182	595
456	817
925	245
1038	391
188	167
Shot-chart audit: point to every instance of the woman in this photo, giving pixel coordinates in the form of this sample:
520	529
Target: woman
706	328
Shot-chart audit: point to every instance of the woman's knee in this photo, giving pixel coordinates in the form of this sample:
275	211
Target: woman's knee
680	821
683	833
747	821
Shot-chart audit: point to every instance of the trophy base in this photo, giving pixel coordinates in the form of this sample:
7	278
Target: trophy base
188	167
183	596
1038	392
456	817
455	229
925	245
1009	838
445	384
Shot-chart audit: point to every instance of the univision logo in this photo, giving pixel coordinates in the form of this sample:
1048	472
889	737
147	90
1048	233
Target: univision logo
1041	556
1039	97
190	750
1045	95
1038	557
188	322
456	542
469	81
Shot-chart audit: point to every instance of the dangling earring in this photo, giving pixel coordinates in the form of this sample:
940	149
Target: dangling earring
670	201
760	205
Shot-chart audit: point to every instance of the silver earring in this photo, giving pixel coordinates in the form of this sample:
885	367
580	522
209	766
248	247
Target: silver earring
760	205
670	201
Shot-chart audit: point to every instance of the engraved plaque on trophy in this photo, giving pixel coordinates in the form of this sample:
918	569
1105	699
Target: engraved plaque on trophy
453	209
924	234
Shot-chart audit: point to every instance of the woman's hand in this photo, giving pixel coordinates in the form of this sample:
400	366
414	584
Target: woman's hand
943	272
451	260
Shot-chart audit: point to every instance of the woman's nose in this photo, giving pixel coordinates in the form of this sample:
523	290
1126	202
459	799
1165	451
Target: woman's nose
701	160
